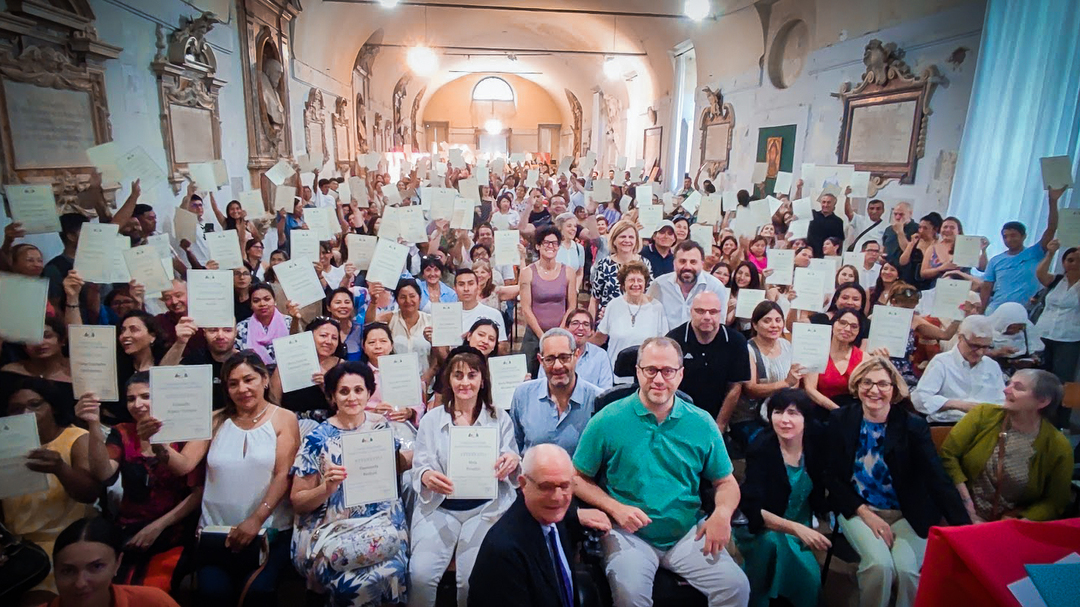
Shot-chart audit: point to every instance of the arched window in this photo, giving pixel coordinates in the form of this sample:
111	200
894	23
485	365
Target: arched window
492	88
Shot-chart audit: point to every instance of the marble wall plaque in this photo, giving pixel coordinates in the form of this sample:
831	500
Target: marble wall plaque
883	133
716	142
50	128
193	134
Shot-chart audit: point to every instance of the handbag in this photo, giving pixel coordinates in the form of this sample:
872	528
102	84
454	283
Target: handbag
23	565
210	549
356	543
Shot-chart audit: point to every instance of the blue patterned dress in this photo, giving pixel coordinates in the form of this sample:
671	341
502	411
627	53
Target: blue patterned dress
381	583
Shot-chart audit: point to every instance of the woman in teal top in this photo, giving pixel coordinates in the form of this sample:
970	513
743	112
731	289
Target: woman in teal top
783	489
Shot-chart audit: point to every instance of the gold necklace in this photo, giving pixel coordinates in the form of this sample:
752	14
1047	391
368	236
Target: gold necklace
258	416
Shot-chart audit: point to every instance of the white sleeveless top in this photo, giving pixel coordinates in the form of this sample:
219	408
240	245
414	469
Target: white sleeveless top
239	467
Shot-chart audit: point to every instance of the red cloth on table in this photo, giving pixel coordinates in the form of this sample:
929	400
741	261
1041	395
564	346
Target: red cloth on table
974	565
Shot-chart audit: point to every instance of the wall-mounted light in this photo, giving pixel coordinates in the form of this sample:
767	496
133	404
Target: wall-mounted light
388	3
697	9
422	61
493	126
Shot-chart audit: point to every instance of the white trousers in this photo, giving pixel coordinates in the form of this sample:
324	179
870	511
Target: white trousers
632	563
435	538
881	566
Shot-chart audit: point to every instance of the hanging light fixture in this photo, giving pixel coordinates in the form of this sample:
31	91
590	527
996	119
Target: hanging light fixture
493	126
697	9
388	3
422	61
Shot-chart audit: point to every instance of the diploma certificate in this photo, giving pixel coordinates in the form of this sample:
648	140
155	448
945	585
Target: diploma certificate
145	266
747	300
507	373
22	308
506	247
210	298
446	324
889	329
949	295
33	206
471	463
93	361
387	262
299	281
370	466
297	361
810	346
399	379
967	250
809	288
361	249
18	437
181	397
225	249
94	257
782	264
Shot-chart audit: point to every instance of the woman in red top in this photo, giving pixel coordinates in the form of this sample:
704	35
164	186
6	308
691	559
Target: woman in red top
829	389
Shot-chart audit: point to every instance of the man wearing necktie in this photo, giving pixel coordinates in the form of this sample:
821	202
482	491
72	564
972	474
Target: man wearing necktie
525	558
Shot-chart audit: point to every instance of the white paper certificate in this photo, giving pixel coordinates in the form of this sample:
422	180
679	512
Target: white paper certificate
387	262
507	373
181	398
889	329
471	464
210	298
399	380
967	250
297	360
782	184
34	206
184	225
703	235
782	263
93	361
446	323
95	253
22	308
225	249
279	172
810	346
304	245
18	437
145	266
361	249
506	248
809	285
649	216
299	281
1068	232
748	299
370	466
284	198
709	211
949	295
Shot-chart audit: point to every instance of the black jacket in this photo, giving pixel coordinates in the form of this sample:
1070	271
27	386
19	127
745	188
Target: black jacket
924	491
513	566
766	486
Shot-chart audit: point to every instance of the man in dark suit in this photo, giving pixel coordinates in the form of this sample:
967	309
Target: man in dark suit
525	558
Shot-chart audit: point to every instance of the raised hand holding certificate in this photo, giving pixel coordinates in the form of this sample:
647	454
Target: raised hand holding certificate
809	288
387	262
93	361
145	266
506	247
95	254
748	299
297	360
446	323
305	245
507	373
399	379
181	398
210	298
471	464
370	467
782	264
890	328
361	249
225	249
949	296
22	308
810	346
33	206
18	437
967	250
299	281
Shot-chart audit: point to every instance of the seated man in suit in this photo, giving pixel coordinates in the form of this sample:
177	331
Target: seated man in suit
654	449
525	559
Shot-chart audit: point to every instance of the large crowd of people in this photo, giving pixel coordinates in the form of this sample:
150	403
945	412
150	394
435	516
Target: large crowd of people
656	357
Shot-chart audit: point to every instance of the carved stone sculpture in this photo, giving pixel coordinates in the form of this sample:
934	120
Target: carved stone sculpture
717	126
270	101
398	130
613	111
415	111
361	125
575	109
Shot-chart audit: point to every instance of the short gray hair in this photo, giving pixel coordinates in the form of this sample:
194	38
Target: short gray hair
977	326
558	332
561	220
540	452
1045	386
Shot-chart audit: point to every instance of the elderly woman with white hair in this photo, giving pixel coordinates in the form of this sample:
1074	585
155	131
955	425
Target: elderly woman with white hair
571	253
960	379
1010	461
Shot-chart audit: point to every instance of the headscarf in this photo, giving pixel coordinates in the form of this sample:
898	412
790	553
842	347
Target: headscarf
1027	341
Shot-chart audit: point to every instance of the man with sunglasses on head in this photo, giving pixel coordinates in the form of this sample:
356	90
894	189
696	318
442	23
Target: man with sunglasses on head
655	449
960	379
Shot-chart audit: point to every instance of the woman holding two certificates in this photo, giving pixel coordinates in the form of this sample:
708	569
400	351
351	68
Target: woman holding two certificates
363	522
462	473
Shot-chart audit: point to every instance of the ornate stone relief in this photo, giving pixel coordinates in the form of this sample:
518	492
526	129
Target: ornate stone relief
52	99
415	110
188	89
315	123
340	122
575	109
717	126
400	129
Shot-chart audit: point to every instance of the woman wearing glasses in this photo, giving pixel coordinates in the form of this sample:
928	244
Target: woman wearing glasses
547	290
632	317
829	389
886	482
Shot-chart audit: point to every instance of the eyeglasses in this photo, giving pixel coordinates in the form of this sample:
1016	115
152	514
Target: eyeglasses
884	386
563	359
667	372
550	487
579	323
976	347
550	243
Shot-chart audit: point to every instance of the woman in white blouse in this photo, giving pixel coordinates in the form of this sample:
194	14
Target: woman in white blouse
571	254
410	329
444	527
504	217
1059	323
632	317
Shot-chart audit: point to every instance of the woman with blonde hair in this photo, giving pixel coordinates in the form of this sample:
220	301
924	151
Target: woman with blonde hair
625	246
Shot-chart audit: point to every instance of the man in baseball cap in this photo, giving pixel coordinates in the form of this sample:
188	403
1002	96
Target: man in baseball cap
659	251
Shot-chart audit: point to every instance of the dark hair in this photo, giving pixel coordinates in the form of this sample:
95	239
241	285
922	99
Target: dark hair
763	309
724	240
251	242
1069	251
323	182
325	247
324	320
689	245
58	327
875	201
722	264
956	220
743	198
141	209
243	357
70	223
407	283
428	261
1010	225
842	288
376	326
879	286
478	247
576	311
96	529
786	397
462	272
679	218
859	316
802	248
338	291
230	222
157	349
546	231
63	410
138	377
481	322
261	286
934	219
836	242
474	359
333	377
869	242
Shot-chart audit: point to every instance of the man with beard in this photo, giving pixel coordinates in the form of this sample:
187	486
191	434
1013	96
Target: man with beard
176	302
555	408
677	289
219	345
593	364
714	359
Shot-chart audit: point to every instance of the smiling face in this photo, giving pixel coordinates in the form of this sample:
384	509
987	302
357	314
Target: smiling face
682	230
327	338
580	326
548	248
134	336
722	273
28	261
341	306
138	401
846	328
626	241
658	390
246	387
803	257
84	573
559	361
788	423
377	343
234	210
465	381
889	273
432	274
846	275
770	326
876	391
176	299
351	395
483	338
408	300
634	284
949	230
1013	239
828	204
688	265
742	277
548	488
849	299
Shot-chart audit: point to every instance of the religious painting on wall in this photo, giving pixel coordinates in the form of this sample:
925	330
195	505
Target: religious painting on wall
776	148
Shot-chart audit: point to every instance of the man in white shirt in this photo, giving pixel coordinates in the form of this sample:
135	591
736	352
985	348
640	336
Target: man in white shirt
958	380
871	269
198	249
863	228
467	289
323	198
675	290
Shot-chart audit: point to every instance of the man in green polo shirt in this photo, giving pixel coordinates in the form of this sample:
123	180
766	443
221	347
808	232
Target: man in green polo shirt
654	450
